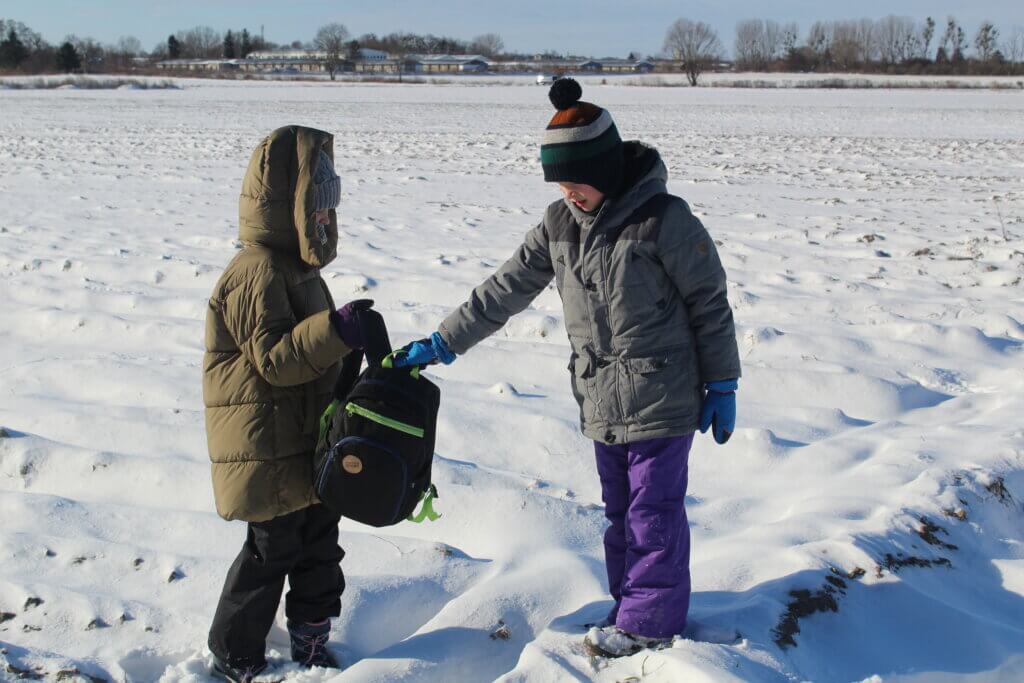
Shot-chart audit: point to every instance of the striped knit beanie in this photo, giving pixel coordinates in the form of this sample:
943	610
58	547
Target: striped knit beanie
581	143
327	193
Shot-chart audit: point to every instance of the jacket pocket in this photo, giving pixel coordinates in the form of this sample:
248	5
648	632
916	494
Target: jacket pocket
580	374
662	388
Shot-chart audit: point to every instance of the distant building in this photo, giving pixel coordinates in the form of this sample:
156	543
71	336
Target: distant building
201	64
367	60
368	55
579	66
626	66
432	64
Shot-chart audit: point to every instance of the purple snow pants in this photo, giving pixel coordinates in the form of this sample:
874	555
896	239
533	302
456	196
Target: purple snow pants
647	546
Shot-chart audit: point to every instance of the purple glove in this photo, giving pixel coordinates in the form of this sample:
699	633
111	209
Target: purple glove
346	322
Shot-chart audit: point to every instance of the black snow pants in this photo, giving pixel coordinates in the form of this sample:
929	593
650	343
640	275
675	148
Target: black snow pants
302	546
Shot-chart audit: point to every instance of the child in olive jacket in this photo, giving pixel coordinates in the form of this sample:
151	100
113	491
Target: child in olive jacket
273	342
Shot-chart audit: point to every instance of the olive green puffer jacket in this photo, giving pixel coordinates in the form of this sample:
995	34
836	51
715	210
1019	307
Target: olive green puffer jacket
271	352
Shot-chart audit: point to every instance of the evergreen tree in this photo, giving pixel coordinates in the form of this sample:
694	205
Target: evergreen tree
246	46
68	59
12	51
173	48
229	45
352	51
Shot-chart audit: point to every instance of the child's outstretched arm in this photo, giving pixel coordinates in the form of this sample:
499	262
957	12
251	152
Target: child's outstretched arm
509	291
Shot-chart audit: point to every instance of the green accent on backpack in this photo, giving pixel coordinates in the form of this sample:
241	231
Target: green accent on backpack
353	409
389	363
427	511
325	420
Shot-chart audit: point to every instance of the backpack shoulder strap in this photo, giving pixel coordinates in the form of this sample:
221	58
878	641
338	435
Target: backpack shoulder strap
351	367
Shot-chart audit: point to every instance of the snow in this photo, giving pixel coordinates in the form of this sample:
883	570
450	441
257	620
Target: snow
874	242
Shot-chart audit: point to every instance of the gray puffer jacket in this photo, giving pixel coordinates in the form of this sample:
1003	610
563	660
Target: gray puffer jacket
644	296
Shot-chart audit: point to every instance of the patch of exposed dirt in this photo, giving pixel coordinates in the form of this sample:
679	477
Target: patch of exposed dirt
803	604
927	532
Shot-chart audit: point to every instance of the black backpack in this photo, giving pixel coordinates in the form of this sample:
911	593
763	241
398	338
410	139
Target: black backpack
376	445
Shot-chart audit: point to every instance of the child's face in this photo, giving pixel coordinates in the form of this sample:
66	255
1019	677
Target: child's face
323	217
585	197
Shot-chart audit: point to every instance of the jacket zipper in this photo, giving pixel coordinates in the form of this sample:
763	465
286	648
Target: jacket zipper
353	409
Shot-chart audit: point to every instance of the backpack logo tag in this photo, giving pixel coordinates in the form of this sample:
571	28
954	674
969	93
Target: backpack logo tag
352	464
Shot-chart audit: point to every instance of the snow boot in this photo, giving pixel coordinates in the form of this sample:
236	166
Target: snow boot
225	671
309	645
612	641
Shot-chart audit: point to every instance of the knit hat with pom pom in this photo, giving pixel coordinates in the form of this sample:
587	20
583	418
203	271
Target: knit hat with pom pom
581	143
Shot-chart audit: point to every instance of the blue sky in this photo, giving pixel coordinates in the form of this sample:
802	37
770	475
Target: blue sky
596	27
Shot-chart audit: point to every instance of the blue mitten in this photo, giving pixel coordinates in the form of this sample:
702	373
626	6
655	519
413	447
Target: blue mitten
719	409
427	351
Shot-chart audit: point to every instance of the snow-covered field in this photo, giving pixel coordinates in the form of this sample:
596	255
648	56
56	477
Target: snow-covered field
865	521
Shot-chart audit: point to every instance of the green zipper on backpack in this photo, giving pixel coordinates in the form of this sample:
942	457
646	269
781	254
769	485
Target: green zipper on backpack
353	409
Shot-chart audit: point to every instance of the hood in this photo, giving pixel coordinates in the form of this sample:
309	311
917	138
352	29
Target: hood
275	209
644	175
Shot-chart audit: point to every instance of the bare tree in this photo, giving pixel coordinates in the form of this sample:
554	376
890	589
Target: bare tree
927	33
201	42
771	41
694	44
819	40
489	44
959	44
331	39
897	39
748	43
845	47
790	36
986	41
953	42
1013	47
126	49
867	41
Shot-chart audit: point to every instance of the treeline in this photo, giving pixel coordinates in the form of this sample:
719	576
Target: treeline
24	50
890	45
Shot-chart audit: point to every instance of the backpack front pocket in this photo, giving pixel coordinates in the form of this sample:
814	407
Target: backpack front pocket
366	481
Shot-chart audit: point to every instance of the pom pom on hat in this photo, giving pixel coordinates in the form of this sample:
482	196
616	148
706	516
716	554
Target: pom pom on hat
565	93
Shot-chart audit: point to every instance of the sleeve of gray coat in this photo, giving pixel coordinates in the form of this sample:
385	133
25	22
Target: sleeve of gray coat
689	255
509	291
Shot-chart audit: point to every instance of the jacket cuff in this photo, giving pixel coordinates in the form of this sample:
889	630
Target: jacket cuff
336	322
724	386
441	350
322	339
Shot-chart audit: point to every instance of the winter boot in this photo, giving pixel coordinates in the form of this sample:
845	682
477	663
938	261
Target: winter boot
225	671
309	644
612	641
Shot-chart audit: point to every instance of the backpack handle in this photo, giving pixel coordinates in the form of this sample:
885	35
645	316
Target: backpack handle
376	343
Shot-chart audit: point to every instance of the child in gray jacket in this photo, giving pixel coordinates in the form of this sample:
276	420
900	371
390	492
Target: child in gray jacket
654	355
